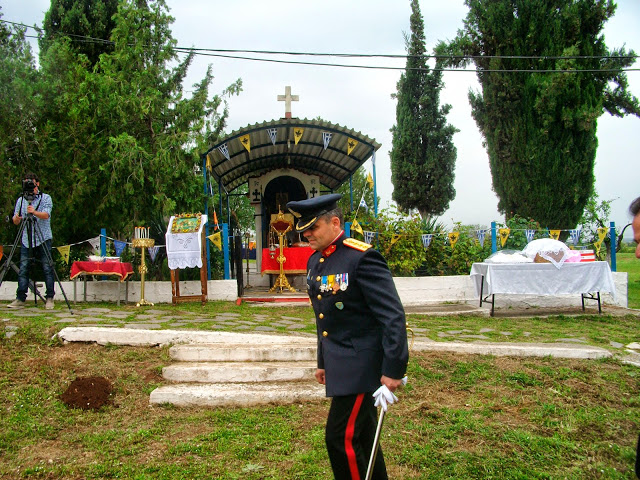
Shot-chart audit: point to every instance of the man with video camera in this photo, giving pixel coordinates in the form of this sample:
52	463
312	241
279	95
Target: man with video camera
36	237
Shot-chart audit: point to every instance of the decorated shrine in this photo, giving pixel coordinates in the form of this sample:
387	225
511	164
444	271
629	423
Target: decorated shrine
280	161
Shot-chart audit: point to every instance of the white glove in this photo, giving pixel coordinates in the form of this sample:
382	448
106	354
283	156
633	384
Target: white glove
385	397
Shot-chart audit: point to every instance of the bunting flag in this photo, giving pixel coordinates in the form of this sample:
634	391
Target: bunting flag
370	180
326	138
119	245
351	144
215	220
245	140
1	251
504	234
216	239
297	134
209	167
426	239
153	251
453	238
224	150
575	236
529	233
95	243
395	238
273	132
481	234
64	251
363	204
597	246
602	233
555	234
356	226
368	237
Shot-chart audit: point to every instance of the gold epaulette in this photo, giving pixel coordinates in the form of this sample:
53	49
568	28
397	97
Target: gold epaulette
357	244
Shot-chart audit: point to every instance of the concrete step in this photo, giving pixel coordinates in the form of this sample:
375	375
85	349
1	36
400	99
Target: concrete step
236	394
245	352
239	372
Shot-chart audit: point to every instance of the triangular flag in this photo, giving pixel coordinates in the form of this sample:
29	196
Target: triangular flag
504	234
356	226
555	234
216	239
326	138
153	251
602	233
481	234
453	238
529	233
426	240
297	134
215	220
95	243
119	245
363	204
209	167
395	238
1	251
597	246
351	144
575	236
64	251
273	132
370	180
224	150
368	236
245	140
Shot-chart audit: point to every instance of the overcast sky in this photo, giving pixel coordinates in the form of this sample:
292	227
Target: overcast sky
361	98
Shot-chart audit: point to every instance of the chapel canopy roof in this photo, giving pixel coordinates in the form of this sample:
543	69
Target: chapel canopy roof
334	165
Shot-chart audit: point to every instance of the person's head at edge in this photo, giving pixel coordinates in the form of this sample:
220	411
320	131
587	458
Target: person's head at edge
634	209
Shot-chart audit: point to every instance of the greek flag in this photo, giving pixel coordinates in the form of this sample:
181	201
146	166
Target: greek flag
224	150
481	234
426	239
363	204
326	138
575	236
368	236
272	134
119	245
529	234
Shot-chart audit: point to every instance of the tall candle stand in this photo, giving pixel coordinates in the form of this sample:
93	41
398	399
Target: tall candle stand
141	240
281	227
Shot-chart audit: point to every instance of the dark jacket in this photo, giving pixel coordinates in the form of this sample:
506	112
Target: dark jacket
360	321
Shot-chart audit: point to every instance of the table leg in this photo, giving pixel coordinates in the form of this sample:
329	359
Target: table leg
481	288
599	309
126	291
84	277
75	281
119	290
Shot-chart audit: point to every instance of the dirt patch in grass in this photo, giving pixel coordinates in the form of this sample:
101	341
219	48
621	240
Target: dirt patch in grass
88	393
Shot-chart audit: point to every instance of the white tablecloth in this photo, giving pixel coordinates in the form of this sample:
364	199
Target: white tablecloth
183	249
542	278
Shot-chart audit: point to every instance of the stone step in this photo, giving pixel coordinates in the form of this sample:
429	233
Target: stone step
244	352
236	394
239	372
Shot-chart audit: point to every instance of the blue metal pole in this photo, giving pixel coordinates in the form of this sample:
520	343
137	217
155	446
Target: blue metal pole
347	229
494	239
225	249
206	211
375	185
612	236
103	242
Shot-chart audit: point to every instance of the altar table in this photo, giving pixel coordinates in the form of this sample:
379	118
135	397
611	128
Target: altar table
584	278
296	262
118	269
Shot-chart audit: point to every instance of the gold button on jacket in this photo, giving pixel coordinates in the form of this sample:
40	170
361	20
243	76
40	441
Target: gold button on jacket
325	334
321	316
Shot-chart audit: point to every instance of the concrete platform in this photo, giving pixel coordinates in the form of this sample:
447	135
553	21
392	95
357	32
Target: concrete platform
277	352
236	394
239	372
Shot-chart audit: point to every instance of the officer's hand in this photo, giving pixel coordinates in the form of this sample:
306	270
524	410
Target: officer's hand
391	383
320	376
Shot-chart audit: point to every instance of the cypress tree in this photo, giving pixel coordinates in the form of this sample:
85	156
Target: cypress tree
423	155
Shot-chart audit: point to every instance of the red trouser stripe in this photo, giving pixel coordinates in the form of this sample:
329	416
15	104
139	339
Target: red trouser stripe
348	438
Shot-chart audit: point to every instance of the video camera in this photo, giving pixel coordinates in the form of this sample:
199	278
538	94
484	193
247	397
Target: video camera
29	189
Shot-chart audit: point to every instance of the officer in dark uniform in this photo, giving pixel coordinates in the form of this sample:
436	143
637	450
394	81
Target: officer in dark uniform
362	338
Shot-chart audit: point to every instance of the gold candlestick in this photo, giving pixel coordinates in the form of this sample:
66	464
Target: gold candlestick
143	243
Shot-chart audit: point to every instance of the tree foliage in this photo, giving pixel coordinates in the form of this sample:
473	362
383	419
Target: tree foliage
361	190
423	155
539	119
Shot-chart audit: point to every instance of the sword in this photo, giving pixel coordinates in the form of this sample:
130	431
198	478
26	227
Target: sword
376	444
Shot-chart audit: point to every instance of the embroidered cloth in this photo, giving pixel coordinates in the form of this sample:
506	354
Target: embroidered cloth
183	249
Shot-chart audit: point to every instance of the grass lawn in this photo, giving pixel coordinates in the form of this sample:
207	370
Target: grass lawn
461	416
627	262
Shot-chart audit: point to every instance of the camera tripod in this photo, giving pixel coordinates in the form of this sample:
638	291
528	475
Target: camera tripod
29	222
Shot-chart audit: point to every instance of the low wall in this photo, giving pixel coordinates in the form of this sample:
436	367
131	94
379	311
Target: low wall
413	291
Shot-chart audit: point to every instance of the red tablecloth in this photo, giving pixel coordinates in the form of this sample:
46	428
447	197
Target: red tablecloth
122	270
296	260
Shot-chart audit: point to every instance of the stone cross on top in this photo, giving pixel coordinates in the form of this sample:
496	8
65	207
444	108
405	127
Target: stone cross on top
287	98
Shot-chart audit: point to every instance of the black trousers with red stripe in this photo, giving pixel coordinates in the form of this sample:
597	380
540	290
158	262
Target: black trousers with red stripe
349	435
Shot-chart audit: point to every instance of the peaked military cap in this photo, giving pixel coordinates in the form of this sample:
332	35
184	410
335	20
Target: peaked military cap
308	211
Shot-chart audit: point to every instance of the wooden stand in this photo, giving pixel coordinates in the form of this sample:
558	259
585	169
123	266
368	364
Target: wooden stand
175	281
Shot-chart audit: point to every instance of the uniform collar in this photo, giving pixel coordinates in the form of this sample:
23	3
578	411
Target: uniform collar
332	247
